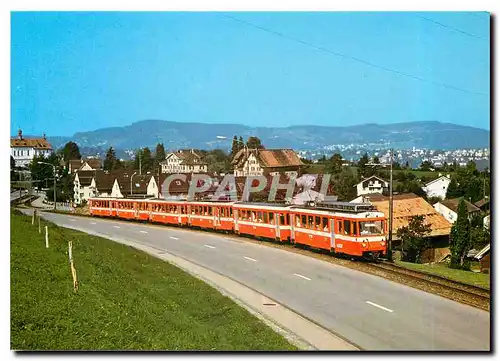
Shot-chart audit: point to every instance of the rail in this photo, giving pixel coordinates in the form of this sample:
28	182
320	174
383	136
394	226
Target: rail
472	294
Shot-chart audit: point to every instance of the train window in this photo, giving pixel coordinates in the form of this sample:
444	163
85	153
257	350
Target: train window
339	223
271	218
260	217
371	228
282	219
222	212
317	223
347	226
230	211
310	223
325	227
253	218
265	218
210	211
303	221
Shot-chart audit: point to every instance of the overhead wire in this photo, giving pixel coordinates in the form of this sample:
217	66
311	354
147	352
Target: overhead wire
353	58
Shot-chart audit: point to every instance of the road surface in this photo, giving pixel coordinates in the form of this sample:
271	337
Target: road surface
371	312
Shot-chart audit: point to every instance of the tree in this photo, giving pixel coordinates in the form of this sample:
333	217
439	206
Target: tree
343	184
12	162
254	143
460	238
235	146
453	190
407	165
362	166
70	152
159	155
334	165
13	174
413	238
218	161
426	165
110	162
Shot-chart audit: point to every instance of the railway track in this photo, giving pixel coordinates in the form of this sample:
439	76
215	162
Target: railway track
467	293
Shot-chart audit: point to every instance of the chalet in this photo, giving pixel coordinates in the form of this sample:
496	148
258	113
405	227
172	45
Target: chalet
24	149
183	161
252	162
371	185
448	209
483	204
437	187
483	256
81	164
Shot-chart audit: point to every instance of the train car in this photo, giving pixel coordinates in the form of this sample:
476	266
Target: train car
211	215
355	229
263	220
169	212
103	207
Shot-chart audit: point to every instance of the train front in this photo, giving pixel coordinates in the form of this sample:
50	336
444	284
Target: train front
371	234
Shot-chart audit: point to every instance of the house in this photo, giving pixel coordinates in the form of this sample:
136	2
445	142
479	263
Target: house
252	162
408	205
483	256
371	185
83	186
81	164
178	188
183	161
448	209
483	204
24	149
437	187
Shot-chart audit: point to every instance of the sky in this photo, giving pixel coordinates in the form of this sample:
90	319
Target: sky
73	72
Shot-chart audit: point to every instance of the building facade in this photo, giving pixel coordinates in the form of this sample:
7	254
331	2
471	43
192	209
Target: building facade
448	209
254	162
438	187
371	185
183	161
24	149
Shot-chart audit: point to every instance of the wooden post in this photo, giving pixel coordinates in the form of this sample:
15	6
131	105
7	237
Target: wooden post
46	237
39	228
72	266
33	218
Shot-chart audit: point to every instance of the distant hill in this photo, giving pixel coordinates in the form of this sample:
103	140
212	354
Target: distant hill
174	135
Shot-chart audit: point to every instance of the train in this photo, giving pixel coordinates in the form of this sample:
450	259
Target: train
357	230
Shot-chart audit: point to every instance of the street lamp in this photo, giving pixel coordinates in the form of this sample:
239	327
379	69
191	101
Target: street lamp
54	169
389	241
131	182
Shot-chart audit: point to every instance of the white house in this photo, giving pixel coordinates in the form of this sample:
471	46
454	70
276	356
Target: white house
448	209
252	162
183	161
371	185
84	186
23	150
437	187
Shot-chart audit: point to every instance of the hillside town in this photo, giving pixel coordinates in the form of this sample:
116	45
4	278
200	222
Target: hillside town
432	193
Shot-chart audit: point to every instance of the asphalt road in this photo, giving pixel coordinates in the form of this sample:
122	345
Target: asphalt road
373	313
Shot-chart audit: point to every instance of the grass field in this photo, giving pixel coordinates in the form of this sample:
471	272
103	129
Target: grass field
127	300
478	279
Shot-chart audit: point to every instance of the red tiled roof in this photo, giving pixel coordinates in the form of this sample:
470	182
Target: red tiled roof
37	143
269	158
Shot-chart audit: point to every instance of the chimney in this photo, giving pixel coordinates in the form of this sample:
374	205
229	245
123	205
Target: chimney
20	134
44	137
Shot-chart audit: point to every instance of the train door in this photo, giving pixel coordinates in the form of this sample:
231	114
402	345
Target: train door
236	225
292	227
216	215
179	213
136	209
277	224
332	234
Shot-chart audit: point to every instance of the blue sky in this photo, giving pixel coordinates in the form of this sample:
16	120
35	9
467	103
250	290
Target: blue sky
74	72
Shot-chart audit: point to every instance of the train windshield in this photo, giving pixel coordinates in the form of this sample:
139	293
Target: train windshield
371	228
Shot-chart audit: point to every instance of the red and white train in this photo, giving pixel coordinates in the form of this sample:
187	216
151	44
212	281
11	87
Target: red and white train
354	229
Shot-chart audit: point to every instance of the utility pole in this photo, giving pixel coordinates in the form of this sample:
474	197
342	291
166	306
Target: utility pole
389	238
140	164
54	170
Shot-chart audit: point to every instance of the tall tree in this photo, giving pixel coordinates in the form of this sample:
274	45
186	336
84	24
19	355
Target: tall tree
426	165
71	152
334	165
110	162
159	156
254	143
362	166
460	238
454	191
413	238
235	146
147	160
343	184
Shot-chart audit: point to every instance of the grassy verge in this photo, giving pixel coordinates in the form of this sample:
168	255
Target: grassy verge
474	278
127	300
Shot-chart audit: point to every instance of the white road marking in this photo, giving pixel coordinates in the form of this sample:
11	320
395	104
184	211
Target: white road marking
208	246
304	277
250	259
93	223
143	231
174	238
72	220
381	307
116	226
